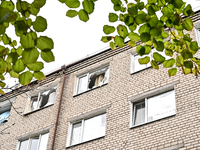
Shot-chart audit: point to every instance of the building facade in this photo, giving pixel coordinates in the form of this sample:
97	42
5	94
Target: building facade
105	102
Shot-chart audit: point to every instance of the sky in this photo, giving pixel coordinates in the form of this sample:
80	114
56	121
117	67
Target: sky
74	39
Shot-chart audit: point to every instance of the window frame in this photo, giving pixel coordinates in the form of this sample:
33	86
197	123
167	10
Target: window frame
30	138
87	74
145	101
39	102
197	34
82	121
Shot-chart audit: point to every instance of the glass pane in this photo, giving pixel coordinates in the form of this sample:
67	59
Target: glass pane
44	141
76	133
24	145
161	106
137	66
34	143
4	116
94	127
139	113
82	84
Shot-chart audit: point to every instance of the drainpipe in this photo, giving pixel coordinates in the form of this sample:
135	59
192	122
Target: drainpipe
59	107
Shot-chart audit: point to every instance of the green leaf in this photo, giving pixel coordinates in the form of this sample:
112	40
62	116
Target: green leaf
2	84
12	58
167	11
108	29
132	27
194	71
188	64
188	11
144	60
106	39
37	66
151	11
112	45
154	64
72	3
187	71
119	41
8	4
177	3
19	50
2	77
194	46
47	56
179	61
161	3
3	66
159	46
140	18
71	13
145	37
14	74
2	92
30	55
113	17
27	41
38	3
134	36
158	58
144	28
6	39
165	34
39	75
196	60
187	24
25	78
122	31
33	10
169	63
115	2
172	72
116	7
88	6
40	24
131	43
44	43
19	66
140	50
186	54
141	5
169	53
133	10
83	15
128	20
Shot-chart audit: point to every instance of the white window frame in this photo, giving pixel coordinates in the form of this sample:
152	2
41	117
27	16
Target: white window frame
143	97
133	54
30	139
38	103
197	33
87	75
82	121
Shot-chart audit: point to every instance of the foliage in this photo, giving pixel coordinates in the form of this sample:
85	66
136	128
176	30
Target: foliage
20	60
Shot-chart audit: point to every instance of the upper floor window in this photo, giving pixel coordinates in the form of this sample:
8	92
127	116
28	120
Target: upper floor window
4	114
38	142
92	79
42	99
136	66
153	108
197	32
87	129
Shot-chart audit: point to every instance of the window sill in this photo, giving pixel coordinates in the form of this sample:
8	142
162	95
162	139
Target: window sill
151	121
71	146
90	90
140	70
27	113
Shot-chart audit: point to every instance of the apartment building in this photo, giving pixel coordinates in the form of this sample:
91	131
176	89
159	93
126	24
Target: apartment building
106	101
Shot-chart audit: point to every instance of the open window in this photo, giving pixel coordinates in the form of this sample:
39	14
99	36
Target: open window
153	108
42	99
38	142
87	129
93	79
4	114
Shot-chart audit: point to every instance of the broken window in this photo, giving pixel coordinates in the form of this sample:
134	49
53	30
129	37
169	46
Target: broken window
93	79
42	99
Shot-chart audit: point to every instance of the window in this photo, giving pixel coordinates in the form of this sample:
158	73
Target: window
4	114
92	79
88	129
197	32
35	143
153	108
42	99
136	66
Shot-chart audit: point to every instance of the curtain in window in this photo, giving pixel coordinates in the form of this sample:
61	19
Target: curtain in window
139	113
4	116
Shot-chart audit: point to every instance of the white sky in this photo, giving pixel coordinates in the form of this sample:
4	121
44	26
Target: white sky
74	39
